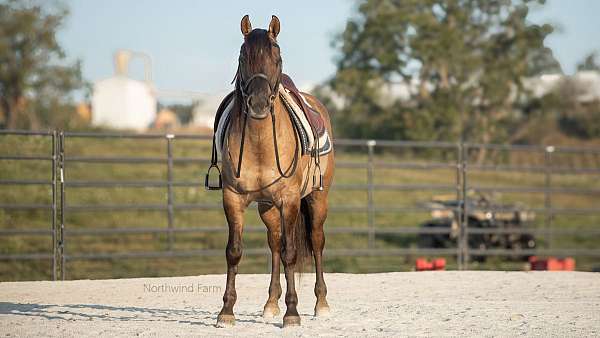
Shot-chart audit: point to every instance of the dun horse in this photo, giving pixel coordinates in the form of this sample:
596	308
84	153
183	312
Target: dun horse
263	162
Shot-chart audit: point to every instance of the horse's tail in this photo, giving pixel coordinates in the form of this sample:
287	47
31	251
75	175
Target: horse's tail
302	238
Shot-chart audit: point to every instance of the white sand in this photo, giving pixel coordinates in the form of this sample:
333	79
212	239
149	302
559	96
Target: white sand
390	304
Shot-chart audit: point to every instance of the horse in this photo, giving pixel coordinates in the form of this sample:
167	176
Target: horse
262	162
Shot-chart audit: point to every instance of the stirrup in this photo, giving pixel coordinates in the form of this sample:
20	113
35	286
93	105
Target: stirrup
320	186
207	179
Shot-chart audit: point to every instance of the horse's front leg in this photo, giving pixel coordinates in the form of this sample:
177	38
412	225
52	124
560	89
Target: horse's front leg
270	216
234	205
289	213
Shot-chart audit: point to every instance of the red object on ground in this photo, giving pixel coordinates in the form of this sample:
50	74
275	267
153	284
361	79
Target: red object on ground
439	264
569	264
423	264
552	264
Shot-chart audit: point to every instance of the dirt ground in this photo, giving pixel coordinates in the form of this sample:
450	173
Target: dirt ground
389	304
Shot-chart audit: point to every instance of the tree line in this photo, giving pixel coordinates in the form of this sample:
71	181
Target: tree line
406	69
462	64
36	80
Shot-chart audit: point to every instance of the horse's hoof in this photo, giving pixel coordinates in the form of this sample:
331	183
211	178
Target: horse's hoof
291	321
270	311
322	310
225	321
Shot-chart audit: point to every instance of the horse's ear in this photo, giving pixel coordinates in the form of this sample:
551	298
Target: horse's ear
274	26
245	25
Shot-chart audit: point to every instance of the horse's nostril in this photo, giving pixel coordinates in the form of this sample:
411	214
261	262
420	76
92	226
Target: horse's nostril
258	102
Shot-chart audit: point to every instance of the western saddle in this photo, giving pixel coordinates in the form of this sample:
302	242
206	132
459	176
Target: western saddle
313	117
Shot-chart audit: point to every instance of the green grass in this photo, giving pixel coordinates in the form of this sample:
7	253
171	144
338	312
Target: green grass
40	219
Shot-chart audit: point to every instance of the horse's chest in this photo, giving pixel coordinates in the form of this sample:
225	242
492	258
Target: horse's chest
265	182
254	178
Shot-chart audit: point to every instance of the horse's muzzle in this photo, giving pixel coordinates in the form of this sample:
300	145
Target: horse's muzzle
258	115
259	106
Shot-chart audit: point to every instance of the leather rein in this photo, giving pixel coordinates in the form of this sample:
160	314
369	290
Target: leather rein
242	87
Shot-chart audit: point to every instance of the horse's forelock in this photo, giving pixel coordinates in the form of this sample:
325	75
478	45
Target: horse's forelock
258	40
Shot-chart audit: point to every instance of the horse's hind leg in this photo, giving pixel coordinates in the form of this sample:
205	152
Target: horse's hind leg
234	211
270	216
317	206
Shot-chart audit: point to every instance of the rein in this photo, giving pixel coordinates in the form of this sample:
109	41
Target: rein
243	88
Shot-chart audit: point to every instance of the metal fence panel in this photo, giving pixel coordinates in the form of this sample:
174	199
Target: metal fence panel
59	233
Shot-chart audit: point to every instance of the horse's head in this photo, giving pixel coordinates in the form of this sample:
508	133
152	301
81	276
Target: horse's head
259	71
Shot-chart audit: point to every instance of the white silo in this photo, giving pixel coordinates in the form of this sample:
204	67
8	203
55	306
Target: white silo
123	102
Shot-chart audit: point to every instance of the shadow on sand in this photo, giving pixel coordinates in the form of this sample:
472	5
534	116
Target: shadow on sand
86	312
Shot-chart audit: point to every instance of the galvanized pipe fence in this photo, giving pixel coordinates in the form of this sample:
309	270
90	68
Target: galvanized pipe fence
59	184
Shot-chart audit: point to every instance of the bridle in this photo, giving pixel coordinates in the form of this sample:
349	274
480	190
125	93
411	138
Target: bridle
242	87
241	93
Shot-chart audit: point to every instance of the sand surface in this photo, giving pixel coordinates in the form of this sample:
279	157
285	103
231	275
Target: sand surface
389	304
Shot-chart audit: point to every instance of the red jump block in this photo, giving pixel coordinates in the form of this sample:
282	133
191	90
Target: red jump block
423	264
552	264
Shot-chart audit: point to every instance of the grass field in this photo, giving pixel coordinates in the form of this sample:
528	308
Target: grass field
194	171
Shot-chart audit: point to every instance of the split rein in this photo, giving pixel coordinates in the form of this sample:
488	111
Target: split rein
243	88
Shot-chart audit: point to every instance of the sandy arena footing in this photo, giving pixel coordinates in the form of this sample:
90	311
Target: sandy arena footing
448	303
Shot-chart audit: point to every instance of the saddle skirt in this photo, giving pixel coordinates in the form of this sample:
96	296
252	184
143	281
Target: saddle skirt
307	121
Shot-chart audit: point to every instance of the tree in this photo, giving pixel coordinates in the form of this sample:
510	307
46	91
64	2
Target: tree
35	87
462	60
576	118
590	62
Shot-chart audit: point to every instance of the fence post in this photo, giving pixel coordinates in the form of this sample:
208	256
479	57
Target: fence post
547	194
460	199
54	237
464	224
170	210
61	243
370	191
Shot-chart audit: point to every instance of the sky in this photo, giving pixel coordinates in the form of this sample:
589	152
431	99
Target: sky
194	45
